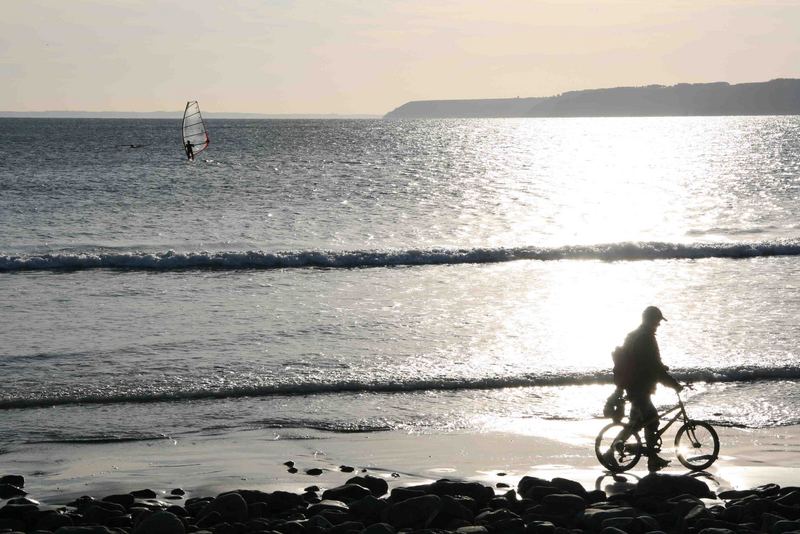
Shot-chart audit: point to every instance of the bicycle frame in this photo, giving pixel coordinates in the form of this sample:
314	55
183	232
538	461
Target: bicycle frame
696	442
680	415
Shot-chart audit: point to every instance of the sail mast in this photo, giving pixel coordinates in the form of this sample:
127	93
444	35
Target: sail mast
194	128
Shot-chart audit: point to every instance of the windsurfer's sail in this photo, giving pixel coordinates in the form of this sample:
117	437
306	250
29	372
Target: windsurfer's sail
194	129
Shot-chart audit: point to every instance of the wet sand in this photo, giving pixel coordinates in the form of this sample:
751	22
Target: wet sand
57	473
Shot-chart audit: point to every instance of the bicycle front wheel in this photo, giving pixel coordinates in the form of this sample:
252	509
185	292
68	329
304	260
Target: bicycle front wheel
617	447
697	445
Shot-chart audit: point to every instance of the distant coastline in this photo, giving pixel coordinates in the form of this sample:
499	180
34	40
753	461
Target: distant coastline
170	115
775	97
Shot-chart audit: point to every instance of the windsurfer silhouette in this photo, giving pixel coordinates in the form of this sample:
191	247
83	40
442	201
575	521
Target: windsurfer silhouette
189	150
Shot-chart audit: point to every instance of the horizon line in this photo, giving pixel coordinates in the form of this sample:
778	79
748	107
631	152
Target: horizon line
258	114
179	114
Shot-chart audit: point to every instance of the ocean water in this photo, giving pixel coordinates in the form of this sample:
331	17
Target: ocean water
359	276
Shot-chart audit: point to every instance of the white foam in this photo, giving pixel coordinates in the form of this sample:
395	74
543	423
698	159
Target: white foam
255	259
708	375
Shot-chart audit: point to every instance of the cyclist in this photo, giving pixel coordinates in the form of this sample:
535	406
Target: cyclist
645	371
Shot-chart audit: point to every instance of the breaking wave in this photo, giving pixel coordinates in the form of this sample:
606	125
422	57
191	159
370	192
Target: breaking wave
739	374
101	439
254	259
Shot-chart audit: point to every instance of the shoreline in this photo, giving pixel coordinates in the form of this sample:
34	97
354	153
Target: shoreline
315	482
56	473
382	483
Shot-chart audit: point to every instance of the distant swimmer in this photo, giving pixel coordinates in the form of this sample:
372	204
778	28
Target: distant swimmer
189	150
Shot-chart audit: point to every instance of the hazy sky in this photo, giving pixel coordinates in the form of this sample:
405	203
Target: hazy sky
370	56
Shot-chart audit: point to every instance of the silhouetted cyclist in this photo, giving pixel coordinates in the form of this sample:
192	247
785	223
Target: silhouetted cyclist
643	369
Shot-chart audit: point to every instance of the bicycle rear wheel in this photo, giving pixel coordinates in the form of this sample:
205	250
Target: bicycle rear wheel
697	445
617	447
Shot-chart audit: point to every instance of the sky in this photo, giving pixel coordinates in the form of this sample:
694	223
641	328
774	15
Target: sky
371	56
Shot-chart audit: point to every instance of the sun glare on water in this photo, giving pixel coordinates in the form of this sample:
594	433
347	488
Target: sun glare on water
589	181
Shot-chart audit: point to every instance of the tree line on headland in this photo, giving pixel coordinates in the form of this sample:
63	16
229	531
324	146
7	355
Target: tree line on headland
775	97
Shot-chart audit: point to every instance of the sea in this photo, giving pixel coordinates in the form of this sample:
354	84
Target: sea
424	276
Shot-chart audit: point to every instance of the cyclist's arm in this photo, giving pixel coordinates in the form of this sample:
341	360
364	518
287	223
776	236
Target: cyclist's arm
669	381
663	376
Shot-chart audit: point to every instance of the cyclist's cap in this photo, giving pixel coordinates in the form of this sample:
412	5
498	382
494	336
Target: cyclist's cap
652	314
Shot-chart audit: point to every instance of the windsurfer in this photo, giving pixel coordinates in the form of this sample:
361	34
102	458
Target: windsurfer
195	135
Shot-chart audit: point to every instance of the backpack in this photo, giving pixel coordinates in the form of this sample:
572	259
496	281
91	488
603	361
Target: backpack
623	367
614	407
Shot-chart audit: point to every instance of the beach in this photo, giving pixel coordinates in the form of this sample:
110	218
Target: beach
418	299
303	267
174	486
206	465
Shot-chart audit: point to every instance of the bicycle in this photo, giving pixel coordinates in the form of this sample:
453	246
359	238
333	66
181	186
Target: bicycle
696	443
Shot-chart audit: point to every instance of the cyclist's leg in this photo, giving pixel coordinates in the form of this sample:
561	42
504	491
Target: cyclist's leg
619	448
651	429
638	415
649	418
634	426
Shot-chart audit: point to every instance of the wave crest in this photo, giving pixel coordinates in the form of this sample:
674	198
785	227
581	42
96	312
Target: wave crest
739	374
254	259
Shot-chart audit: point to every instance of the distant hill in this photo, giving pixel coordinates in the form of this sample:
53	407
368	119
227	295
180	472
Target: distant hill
168	115
444	109
776	97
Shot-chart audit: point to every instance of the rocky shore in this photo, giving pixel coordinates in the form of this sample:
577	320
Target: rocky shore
364	504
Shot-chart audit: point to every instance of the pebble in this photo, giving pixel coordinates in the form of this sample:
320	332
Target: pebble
346	493
160	523
379	528
125	500
416	512
14	480
376	485
230	506
144	494
328	504
656	505
7	491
